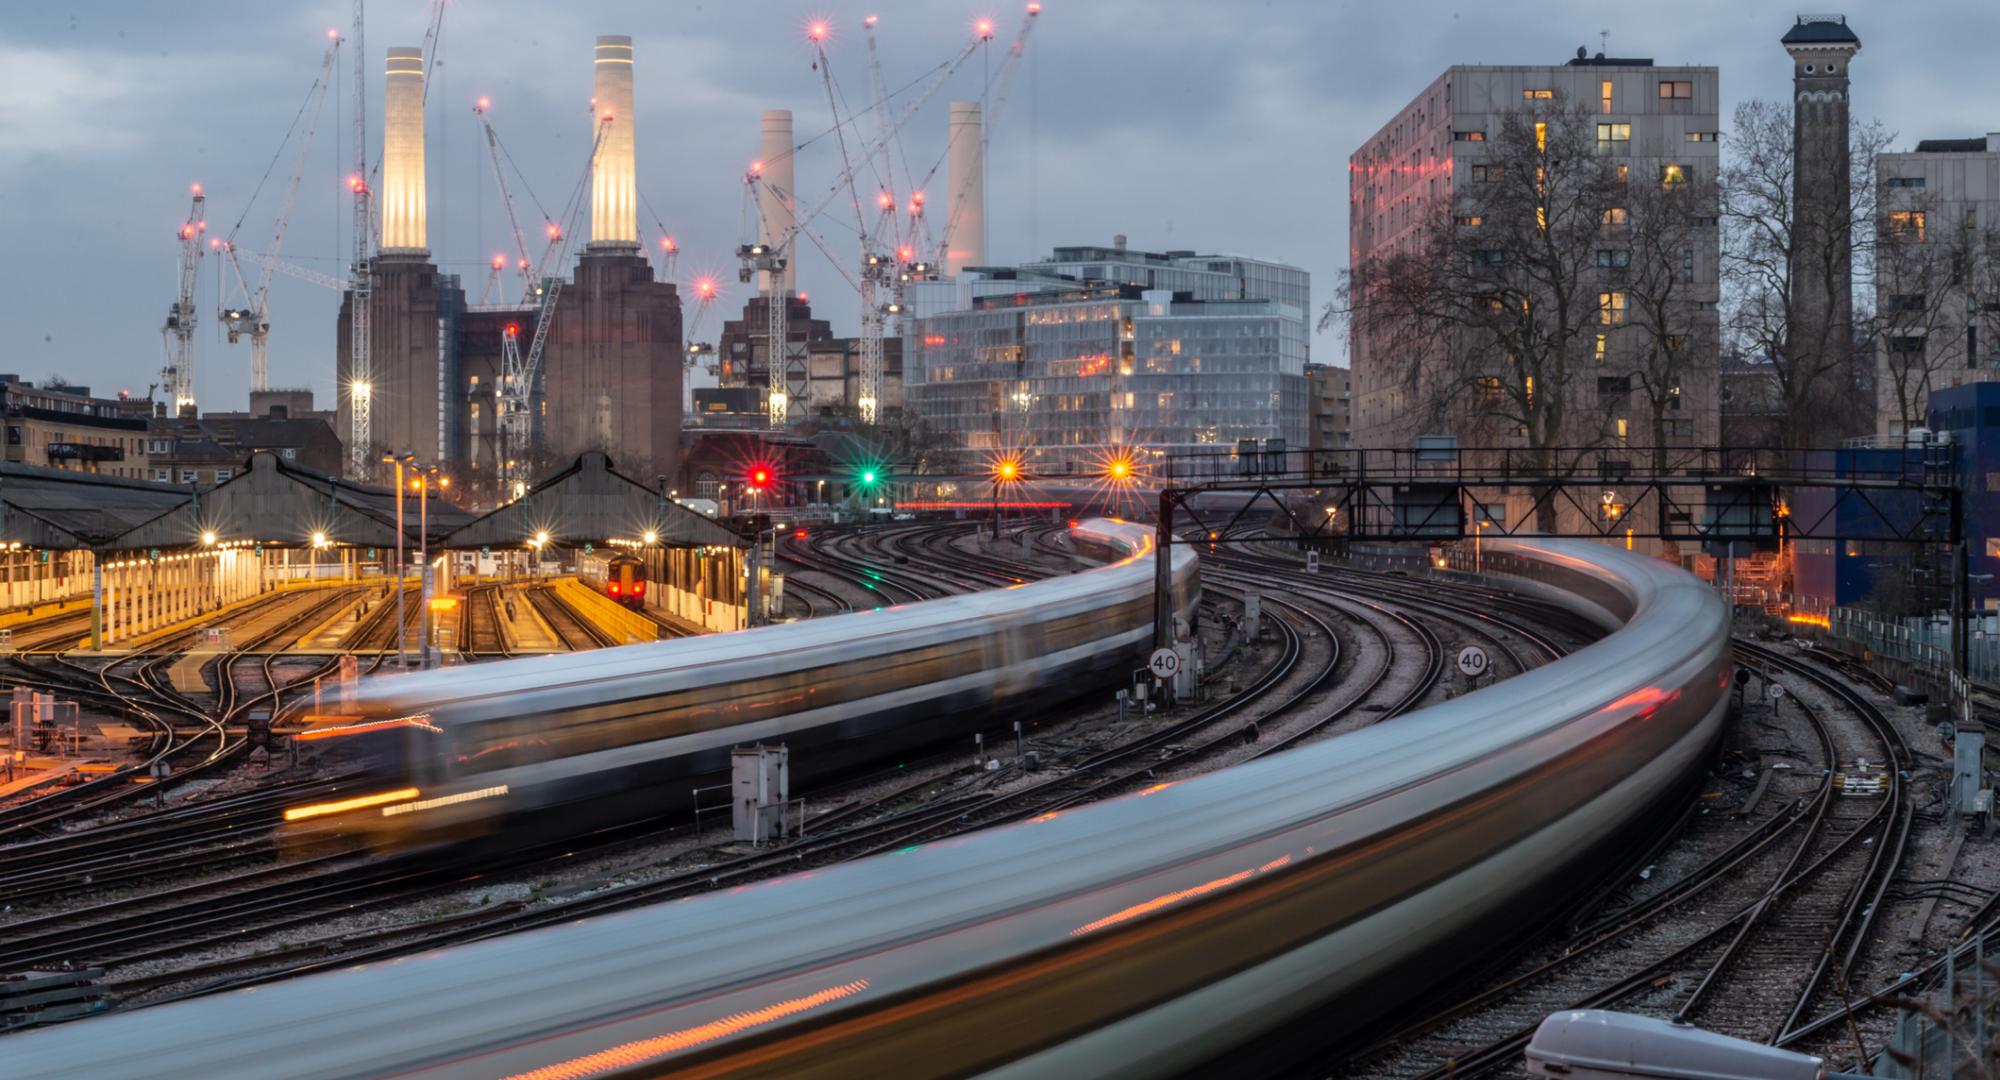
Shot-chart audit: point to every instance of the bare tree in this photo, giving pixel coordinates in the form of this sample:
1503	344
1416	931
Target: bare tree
1671	338
1786	266
1499	303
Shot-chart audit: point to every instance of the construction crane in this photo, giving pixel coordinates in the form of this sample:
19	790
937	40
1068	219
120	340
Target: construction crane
531	270
178	332
520	372
769	258
360	363
253	316
1000	85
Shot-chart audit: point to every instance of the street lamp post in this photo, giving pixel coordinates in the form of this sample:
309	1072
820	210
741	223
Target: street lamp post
402	642
423	485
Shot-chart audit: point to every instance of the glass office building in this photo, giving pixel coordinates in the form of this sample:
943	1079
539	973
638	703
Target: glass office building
1070	361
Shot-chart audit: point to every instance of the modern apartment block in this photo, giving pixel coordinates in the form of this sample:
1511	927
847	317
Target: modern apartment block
1651	118
1938	275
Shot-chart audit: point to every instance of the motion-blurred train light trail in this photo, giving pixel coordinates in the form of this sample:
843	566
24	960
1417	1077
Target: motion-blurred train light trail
633	1054
359	802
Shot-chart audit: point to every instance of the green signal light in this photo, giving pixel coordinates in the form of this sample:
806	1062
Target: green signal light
868	477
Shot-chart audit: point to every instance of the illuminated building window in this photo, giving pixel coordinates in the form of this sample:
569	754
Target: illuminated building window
1614	215
1907	225
1468	136
1541	135
1624	172
1598	350
1610	308
1704	136
1676	91
1614	136
1624	427
1673	176
1471	221
1604	95
1538	95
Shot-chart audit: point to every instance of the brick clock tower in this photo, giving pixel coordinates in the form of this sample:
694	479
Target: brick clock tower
1822	257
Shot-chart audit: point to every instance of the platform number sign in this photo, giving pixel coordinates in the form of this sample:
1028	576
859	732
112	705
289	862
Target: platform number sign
486	551
1472	661
1164	664
588	547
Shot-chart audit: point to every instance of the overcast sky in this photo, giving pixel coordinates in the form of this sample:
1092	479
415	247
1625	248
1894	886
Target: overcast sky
1217	126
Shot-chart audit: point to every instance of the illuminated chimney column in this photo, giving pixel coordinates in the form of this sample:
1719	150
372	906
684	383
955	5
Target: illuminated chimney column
965	243
614	181
402	196
776	196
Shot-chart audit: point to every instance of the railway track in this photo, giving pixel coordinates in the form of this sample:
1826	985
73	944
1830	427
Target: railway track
576	631
1742	938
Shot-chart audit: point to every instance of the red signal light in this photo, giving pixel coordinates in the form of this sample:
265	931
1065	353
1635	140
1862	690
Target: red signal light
799	535
760	477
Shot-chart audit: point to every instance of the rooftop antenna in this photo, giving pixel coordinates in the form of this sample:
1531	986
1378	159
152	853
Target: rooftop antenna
1604	42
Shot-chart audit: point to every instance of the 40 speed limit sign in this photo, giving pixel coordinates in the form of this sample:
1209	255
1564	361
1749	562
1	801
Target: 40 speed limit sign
1164	664
1472	661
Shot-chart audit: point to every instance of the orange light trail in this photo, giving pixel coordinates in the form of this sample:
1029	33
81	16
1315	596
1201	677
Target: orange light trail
359	802
1820	621
1156	903
632	1054
364	727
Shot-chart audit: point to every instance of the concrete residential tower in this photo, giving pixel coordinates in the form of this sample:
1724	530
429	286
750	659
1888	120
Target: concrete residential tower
1425	162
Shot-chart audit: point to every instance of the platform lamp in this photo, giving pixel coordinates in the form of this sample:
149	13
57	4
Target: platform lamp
402	643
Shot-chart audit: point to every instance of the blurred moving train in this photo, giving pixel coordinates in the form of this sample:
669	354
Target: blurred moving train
1180	930
620	577
577	740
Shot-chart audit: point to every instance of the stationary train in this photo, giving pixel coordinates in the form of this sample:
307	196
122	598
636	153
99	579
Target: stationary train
620	577
1156	934
577	740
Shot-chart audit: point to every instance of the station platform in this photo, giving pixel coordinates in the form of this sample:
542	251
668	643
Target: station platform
620	623
527	631
238	616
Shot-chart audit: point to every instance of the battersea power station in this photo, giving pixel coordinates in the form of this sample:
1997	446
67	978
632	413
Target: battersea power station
608	375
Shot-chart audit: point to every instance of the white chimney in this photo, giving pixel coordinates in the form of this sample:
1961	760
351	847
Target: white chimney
776	196
614	183
403	154
965	229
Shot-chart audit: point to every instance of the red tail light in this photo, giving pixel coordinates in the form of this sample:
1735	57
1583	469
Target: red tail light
614	588
638	588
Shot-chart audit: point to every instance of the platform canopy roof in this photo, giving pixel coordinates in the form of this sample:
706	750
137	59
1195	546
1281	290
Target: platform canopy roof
276	502
58	508
591	503
272	501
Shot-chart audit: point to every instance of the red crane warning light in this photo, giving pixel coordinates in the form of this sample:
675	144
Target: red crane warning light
513	328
